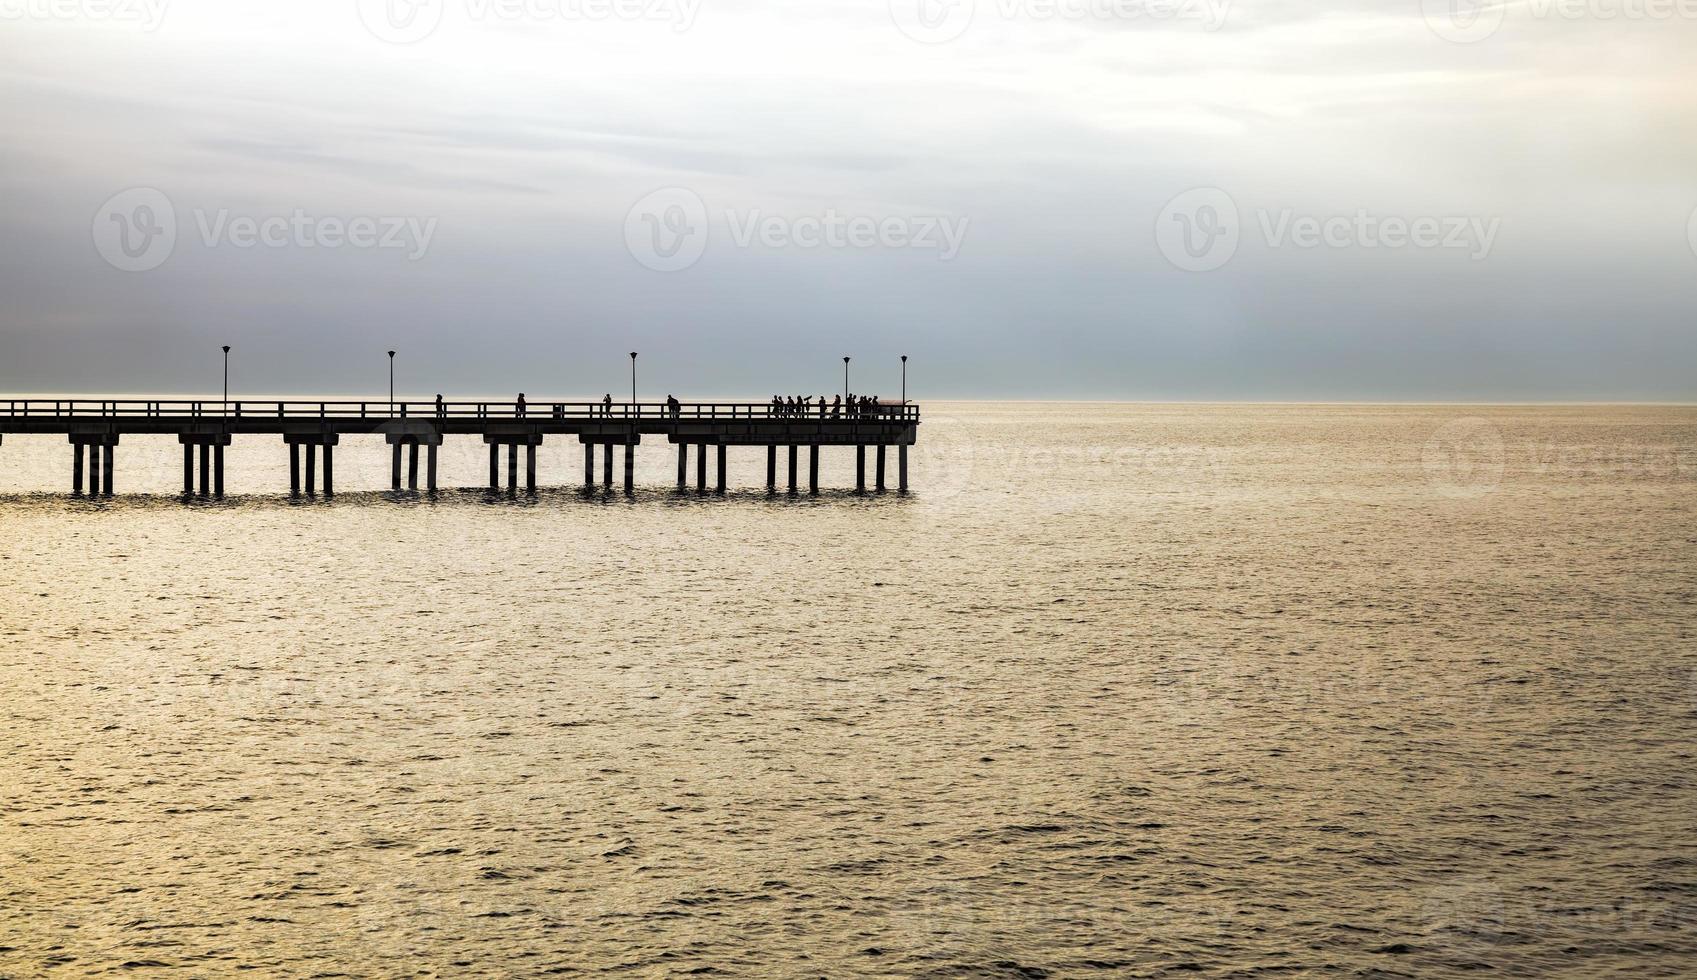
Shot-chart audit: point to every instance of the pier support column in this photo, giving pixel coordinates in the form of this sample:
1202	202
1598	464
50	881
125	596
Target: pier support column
494	467
217	472
294	469
901	468
93	470
588	466
630	469
206	467
188	470
860	469
878	484
701	467
109	450
530	469
607	464
792	470
394	468
813	470
76	468
771	469
683	465
512	469
311	443
721	468
412	466
311	470
429	468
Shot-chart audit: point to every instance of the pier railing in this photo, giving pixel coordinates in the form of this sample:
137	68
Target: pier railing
446	411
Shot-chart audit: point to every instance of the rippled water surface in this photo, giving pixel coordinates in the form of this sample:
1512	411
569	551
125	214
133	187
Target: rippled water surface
1117	690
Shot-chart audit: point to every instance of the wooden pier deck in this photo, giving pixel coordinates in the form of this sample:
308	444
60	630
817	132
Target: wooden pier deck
95	427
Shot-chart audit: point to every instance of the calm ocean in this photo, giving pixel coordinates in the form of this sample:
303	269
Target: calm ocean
1118	690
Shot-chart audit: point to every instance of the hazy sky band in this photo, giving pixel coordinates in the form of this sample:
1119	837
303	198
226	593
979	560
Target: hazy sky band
1394	203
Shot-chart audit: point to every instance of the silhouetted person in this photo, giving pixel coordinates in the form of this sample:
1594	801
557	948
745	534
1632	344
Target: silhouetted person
439	411
821	406
607	406
519	407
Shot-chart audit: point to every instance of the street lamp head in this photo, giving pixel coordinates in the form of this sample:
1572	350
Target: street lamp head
391	353
845	358
904	358
226	348
633	355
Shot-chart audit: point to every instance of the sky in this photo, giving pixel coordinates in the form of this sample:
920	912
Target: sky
1121	199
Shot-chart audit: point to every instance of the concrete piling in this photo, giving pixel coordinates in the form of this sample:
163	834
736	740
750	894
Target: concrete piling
429	469
683	465
588	466
813	471
494	467
395	468
93	470
792	469
630	469
412	467
206	468
329	469
188	470
879	483
701	467
76	469
311	470
530	469
607	464
860	469
294	469
512	469
217	471
721	468
771	469
901	468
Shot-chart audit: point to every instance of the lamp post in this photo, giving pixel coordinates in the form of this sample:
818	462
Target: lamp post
904	383
226	379
845	381
391	384
633	380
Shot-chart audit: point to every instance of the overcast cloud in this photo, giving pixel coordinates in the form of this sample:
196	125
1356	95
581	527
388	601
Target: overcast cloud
1384	201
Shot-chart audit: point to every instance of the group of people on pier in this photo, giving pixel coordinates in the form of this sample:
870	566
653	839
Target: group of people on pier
801	406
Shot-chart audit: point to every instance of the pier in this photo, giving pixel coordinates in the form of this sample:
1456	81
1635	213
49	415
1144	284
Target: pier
311	431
